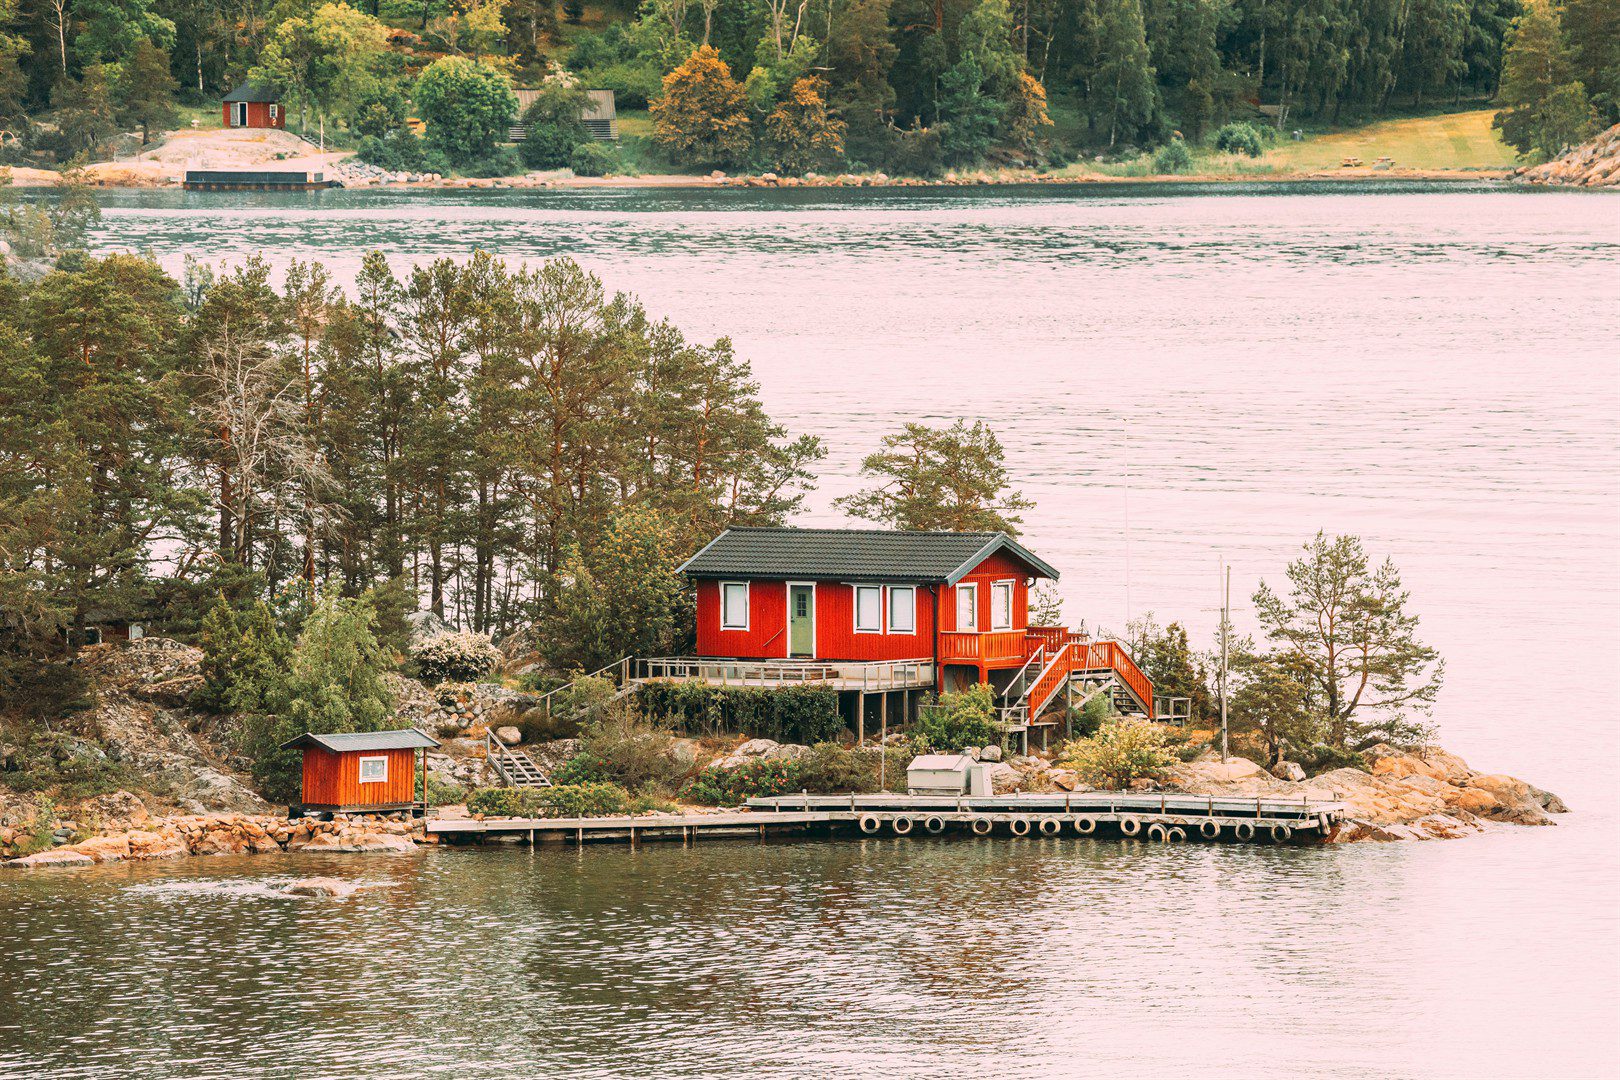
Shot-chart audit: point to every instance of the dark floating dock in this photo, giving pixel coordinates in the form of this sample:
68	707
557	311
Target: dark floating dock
254	180
1133	816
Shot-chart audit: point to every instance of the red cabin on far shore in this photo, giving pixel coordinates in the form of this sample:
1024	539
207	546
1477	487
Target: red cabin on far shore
360	771
254	105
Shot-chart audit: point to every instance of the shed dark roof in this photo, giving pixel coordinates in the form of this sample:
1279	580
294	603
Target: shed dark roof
854	555
253	91
407	739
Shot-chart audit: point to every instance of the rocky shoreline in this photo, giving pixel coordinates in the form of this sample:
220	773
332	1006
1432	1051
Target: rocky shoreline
1593	164
234	834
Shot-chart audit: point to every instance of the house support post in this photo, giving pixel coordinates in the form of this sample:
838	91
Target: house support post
860	718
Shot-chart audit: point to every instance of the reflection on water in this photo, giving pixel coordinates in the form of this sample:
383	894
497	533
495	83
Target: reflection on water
1175	378
868	957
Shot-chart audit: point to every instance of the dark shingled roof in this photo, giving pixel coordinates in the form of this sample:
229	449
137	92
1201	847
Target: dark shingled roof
408	739
252	91
854	555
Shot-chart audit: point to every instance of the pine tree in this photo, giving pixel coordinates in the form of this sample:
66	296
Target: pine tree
1547	107
1124	94
951	478
1346	624
146	90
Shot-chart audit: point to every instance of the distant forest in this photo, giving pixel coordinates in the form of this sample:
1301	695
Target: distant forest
909	85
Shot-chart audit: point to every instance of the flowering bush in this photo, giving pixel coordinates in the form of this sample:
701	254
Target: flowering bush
456	657
717	786
1121	751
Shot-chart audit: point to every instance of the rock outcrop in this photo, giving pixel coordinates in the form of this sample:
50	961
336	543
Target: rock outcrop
1594	163
234	834
1406	795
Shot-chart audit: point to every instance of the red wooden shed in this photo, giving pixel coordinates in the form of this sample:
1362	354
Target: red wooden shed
360	771
254	105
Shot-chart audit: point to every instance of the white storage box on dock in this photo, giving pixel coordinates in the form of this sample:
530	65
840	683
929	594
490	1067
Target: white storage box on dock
938	774
979	780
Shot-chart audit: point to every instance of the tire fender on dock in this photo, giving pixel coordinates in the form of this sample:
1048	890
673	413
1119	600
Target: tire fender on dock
1243	830
1281	834
1085	824
1019	826
982	826
1177	834
1210	829
1050	826
870	824
934	823
1130	826
1158	832
901	825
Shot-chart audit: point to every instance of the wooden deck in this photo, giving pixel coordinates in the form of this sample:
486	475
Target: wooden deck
1119	814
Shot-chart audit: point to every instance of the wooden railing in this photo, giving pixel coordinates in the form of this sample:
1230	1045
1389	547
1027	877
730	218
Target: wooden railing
983	647
1111	656
870	676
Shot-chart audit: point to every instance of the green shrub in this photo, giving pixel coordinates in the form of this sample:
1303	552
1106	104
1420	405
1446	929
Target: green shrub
831	769
1173	157
502	161
503	802
622	748
960	720
1123	750
538	726
1240	138
592	159
552	126
444	793
455	657
793	714
716	786
582	800
1322	758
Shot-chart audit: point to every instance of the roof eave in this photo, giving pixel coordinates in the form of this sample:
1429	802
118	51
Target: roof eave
997	543
699	554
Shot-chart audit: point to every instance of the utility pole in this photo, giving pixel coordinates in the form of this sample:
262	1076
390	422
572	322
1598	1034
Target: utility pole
1226	632
1126	425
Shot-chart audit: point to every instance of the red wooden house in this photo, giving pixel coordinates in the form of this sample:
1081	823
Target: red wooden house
359	771
878	611
254	105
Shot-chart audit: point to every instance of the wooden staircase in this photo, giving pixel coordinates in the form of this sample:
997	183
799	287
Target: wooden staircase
1061	659
514	767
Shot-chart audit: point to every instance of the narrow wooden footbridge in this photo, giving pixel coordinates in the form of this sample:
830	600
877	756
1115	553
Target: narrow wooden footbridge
1159	817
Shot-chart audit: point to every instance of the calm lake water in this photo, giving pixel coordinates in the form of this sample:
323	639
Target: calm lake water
1179	374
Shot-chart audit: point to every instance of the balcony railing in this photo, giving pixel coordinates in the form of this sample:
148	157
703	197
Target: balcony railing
983	647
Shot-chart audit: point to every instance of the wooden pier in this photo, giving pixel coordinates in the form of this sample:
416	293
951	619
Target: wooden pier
1132	816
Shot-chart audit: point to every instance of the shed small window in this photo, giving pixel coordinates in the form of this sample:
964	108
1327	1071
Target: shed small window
734	605
967	607
1001	605
869	609
373	770
275	113
902	610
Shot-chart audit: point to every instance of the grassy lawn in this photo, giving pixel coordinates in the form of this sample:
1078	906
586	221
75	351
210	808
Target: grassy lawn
1461	140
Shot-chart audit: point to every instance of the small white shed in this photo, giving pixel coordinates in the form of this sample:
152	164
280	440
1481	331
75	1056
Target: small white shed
938	774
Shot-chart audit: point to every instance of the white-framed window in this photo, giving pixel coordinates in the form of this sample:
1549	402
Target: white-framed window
734	605
373	770
902	609
275	113
967	606
869	609
1001	605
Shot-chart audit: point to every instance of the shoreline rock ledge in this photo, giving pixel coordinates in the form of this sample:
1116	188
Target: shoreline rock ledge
231	834
1427	794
